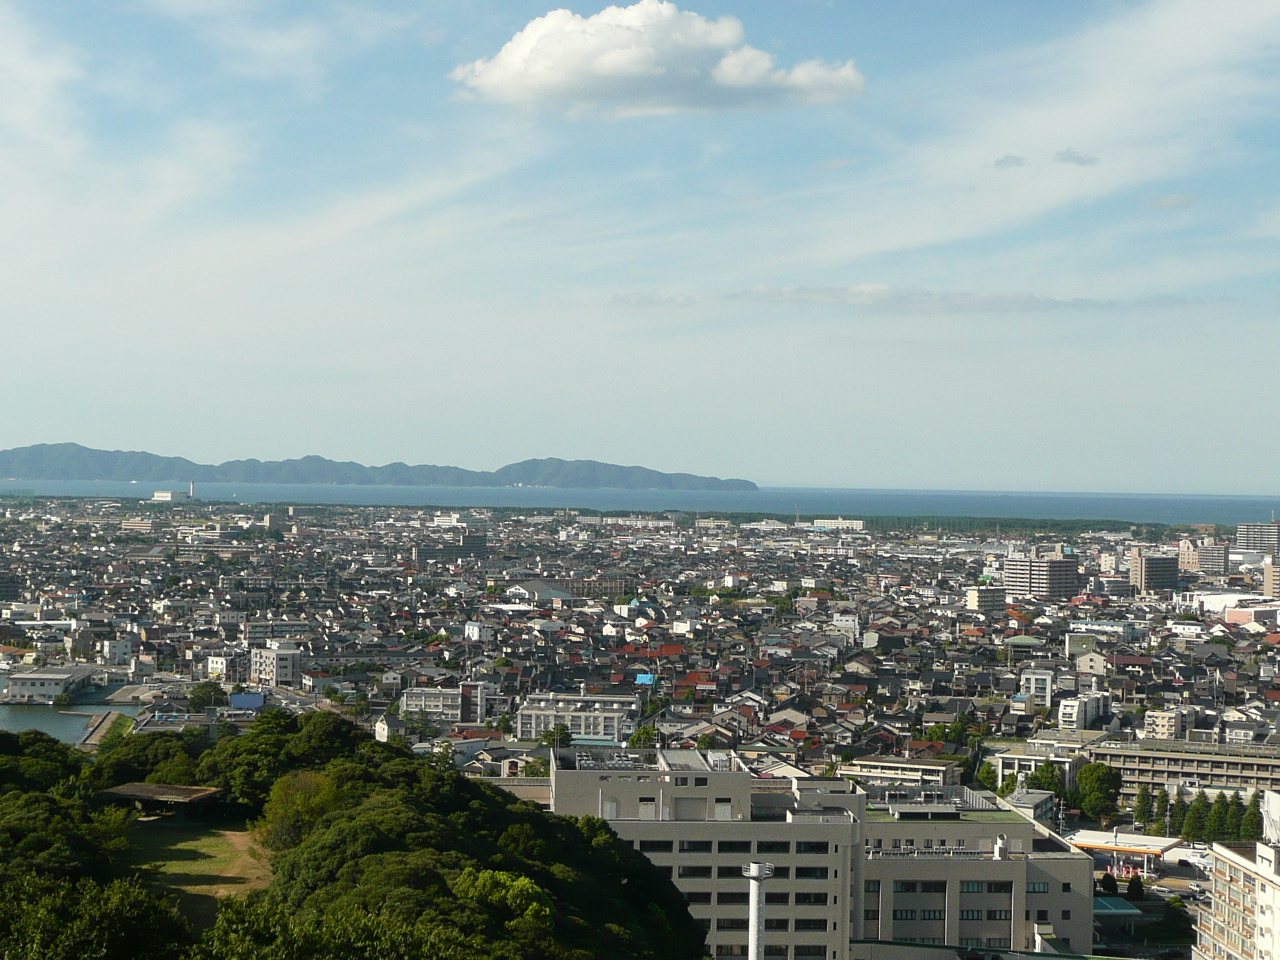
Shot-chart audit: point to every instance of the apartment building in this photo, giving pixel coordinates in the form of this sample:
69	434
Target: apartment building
988	601
1047	578
278	664
611	718
1038	687
1084	710
1153	573
1261	538
1192	766
1170	724
921	865
1241	920
901	770
466	703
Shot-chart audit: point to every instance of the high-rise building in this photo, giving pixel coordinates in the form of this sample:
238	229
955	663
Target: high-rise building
1270	577
988	601
1152	573
1239	922
1260	537
1047	578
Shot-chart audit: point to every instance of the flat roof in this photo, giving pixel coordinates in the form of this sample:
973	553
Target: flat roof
1113	907
162	792
1114	842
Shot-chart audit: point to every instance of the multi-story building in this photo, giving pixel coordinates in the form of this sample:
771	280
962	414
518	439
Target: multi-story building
465	703
916	772
1170	724
1152	573
1242	920
1047	578
988	601
611	718
278	664
1270	577
916	865
1261	538
1038	686
1028	758
1212	767
1083	711
1214	559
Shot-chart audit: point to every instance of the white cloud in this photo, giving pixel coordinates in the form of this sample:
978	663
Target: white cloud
883	296
1010	160
647	58
1174	201
1076	157
256	42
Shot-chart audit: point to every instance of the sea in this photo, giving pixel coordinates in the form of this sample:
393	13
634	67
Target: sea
68	724
781	501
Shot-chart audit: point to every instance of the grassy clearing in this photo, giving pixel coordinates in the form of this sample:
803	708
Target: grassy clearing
199	863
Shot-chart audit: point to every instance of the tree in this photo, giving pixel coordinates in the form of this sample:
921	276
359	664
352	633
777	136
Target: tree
206	694
1215	828
1107	884
987	776
1099	787
1197	822
644	738
505	725
1143	808
1161	816
1135	892
1251	822
1177	816
1235	816
1046	777
557	736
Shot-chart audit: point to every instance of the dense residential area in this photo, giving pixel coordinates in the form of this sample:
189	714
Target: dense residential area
938	739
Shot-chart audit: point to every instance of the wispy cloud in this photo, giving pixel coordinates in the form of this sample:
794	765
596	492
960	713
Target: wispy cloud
1076	158
1172	201
647	58
887	298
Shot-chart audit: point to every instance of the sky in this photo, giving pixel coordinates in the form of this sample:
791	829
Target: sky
1008	245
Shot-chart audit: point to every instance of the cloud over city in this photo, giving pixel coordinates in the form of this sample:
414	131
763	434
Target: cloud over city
647	58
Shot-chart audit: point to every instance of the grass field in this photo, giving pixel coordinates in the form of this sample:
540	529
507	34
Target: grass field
199	863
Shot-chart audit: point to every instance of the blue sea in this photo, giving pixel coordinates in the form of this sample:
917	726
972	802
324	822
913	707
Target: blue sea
785	501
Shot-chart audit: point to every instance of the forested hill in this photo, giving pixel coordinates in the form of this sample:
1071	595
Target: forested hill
71	461
375	855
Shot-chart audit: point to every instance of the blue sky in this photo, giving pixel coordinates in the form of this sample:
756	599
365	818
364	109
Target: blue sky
1004	245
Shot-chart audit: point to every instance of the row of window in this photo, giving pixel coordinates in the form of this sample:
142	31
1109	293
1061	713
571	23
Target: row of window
703	872
801	925
773	897
737	846
966	886
1042	916
801	951
898	843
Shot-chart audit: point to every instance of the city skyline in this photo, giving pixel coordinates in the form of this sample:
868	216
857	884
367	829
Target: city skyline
857	246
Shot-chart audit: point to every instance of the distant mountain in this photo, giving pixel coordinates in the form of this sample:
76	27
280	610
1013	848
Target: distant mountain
71	461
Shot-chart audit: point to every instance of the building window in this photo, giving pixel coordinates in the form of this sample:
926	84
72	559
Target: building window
999	914
812	846
809	950
656	846
933	914
697	896
1042	916
871	886
1066	888
904	886
897	844
695	846
811	873
783	924
873	915
933	886
782	873
773	846
731	950
904	914
734	846
777	898
970	914
693	872
775	950
728	873
811	899
732	923
699	781
998	943
1066	914
682	781
1038	887
1000	886
970	886
725	897
970	941
803	924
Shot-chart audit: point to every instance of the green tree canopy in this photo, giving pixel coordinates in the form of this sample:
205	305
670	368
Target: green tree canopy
1251	827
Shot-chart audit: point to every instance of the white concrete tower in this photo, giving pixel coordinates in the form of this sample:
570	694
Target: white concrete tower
757	873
